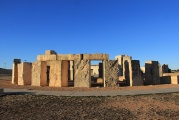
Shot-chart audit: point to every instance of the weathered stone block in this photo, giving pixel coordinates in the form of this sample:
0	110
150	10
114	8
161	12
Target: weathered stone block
24	76
20	74
55	73
152	76
64	82
110	73
58	74
174	79
15	71
69	57
39	76
17	61
127	69
136	78
82	76
46	57
120	63
71	70
100	70
95	56
171	74
50	52
165	68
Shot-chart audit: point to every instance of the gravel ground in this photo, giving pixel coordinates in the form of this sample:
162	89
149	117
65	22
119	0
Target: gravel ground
23	107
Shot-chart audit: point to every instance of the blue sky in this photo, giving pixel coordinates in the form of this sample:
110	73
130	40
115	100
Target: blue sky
143	29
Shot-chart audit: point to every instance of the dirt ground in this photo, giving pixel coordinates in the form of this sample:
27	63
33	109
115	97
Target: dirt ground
155	106
5	82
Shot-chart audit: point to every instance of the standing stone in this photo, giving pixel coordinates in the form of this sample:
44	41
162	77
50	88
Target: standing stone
24	73
64	81
160	70
82	76
71	71
39	75
152	73
58	73
55	74
120	64
165	68
111	73
127	69
136	78
15	71
131	71
100	70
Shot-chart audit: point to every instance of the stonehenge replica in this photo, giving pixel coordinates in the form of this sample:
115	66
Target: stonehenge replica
76	70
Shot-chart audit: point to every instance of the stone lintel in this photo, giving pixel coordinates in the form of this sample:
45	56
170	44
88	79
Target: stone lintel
95	56
69	57
46	57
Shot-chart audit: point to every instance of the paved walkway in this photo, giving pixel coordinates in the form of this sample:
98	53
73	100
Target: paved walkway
8	91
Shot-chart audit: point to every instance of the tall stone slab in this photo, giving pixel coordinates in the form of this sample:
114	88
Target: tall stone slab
136	77
24	76
58	73
15	71
20	74
156	75
110	73
152	76
160	71
64	82
120	64
82	75
55	73
39	75
71	70
100	70
165	68
127	69
131	71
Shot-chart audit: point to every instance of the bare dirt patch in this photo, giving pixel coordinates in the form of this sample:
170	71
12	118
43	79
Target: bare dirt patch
5	82
158	106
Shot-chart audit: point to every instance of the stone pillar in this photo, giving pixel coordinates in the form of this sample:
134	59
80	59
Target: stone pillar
82	76
136	78
55	73
127	69
20	74
100	70
110	73
160	70
39	75
64	80
165	68
24	73
152	73
15	71
120	64
71	70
